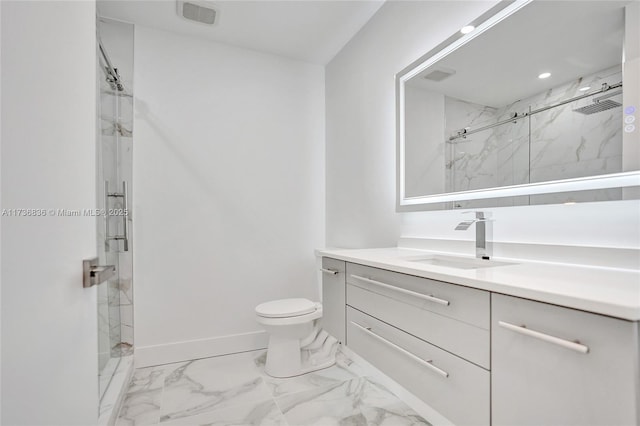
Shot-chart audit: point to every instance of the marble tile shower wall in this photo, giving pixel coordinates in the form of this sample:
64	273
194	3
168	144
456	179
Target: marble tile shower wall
109	318
471	162
126	303
125	258
568	144
559	144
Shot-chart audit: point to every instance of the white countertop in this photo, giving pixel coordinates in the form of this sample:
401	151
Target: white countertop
608	291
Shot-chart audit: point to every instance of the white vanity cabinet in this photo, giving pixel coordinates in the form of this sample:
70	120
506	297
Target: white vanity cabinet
429	336
558	366
333	297
474	349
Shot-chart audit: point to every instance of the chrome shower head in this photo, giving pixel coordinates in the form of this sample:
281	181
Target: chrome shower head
598	106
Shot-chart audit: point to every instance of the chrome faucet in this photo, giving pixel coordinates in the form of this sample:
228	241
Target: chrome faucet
484	243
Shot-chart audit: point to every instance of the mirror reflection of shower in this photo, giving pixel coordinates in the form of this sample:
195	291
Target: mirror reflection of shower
599	104
567	131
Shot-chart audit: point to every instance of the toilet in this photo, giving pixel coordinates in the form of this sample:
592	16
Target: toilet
297	344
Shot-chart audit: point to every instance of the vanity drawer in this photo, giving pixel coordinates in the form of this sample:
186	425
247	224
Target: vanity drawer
465	304
418	317
457	389
560	366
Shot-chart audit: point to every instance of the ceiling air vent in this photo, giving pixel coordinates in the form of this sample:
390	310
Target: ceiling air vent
439	74
198	11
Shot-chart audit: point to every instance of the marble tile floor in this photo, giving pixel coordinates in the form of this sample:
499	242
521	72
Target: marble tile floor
233	390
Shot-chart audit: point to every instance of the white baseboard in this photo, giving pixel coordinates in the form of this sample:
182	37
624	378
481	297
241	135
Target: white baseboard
146	356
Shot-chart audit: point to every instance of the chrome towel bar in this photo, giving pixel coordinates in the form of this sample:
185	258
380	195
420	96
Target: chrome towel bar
125	216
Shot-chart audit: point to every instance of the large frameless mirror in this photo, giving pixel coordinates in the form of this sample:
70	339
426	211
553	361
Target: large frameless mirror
535	105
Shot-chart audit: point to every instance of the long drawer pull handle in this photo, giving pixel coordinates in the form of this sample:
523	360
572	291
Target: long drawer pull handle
402	290
329	271
419	360
547	338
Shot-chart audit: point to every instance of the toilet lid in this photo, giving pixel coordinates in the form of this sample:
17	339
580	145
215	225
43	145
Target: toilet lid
285	308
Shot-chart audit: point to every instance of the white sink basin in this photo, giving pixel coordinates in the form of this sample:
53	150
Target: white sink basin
458	262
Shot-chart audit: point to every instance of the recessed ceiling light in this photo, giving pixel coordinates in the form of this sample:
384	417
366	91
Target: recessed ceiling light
545	75
467	29
584	89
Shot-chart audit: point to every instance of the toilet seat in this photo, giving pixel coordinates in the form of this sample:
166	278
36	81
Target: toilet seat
285	308
297	319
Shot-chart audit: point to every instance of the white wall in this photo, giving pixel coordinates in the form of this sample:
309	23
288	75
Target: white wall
360	97
360	151
229	192
49	330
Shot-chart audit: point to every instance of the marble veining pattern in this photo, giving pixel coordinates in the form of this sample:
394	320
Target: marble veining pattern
144	395
116	385
233	390
343	371
264	414
212	383
471	161
359	401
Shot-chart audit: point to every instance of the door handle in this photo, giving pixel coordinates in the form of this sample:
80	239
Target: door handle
94	274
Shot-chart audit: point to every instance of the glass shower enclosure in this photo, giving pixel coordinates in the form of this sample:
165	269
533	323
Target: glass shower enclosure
114	178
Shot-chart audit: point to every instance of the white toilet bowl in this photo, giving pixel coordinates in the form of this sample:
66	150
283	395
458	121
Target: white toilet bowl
296	343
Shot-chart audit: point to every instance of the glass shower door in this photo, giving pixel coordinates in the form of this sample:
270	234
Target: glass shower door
108	294
114	173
